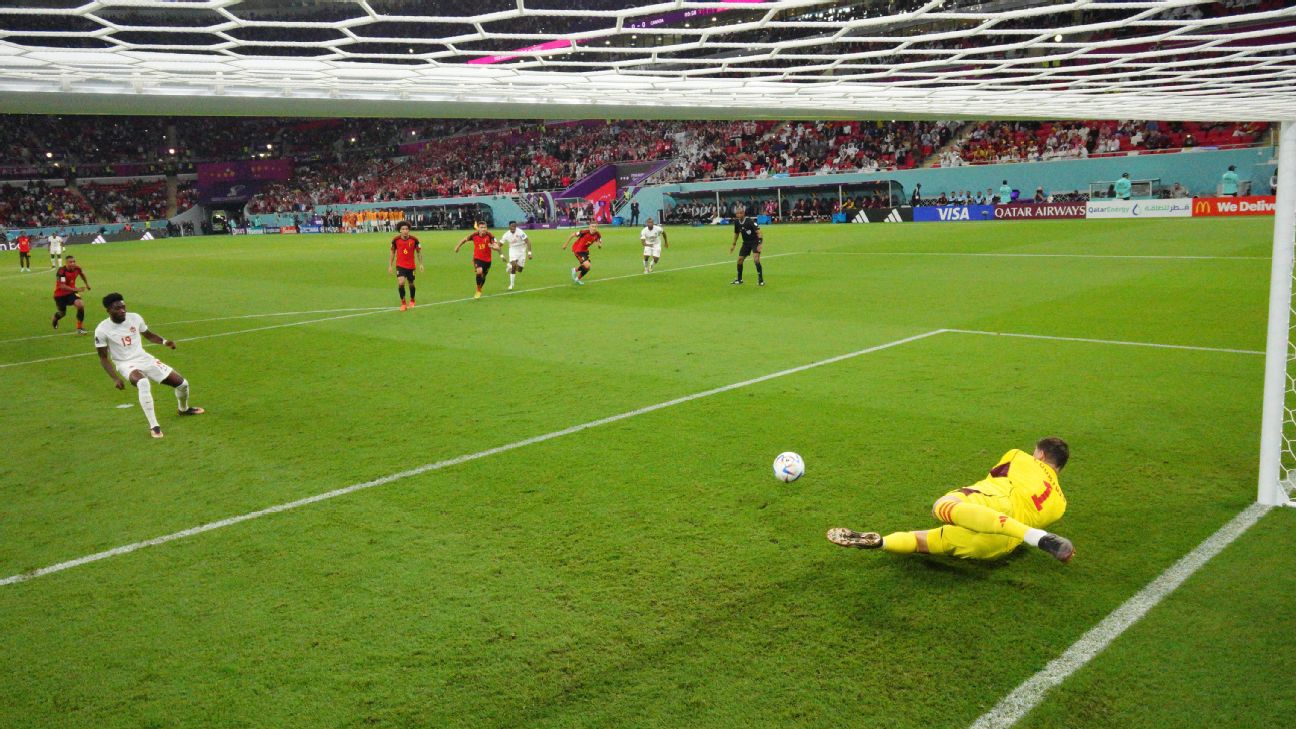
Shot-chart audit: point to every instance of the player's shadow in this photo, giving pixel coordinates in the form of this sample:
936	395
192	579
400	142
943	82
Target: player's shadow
950	566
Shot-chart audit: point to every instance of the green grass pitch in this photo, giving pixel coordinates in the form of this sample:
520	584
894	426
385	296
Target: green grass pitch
648	572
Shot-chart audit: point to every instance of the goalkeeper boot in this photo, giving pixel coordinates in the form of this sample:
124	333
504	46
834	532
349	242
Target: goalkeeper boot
848	538
1060	547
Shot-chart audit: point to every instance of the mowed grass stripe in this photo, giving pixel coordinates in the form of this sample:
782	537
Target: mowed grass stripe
428	467
357	312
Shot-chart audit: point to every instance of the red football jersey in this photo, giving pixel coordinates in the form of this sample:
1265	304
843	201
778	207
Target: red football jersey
405	248
585	240
65	280
481	245
24	244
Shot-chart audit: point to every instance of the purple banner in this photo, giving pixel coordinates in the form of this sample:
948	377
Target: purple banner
232	182
590	184
629	174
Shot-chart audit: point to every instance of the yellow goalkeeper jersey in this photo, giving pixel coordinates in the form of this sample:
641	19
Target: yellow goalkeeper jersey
1032	485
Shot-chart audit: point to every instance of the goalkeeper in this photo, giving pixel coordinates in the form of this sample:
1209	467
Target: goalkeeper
990	518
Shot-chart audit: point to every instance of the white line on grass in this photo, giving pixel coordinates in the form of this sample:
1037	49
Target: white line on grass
1016	705
34	274
379	310
1040	255
212	319
427	467
1107	341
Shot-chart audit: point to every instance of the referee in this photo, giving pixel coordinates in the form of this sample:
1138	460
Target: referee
752	242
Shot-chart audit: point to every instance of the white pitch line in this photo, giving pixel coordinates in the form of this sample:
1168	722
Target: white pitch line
1107	341
438	465
1016	705
212	319
379	310
1041	255
34	275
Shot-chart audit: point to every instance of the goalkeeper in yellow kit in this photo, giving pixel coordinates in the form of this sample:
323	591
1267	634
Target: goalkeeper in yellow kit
988	519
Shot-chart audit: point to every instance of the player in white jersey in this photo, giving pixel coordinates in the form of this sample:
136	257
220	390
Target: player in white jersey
519	250
55	249
653	238
120	338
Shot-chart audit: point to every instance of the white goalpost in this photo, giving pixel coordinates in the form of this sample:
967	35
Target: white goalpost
1278	420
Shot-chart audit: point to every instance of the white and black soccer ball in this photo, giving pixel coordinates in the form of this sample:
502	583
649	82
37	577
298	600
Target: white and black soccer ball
788	467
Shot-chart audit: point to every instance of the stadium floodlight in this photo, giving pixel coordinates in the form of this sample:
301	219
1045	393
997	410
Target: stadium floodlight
1185	60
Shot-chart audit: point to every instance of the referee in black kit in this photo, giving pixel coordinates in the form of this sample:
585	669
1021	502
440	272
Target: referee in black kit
752	241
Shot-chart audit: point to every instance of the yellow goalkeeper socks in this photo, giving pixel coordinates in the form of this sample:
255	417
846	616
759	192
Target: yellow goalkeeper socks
900	543
907	542
978	518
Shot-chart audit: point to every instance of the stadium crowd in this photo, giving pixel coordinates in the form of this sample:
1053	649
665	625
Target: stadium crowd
533	157
354	160
41	204
1005	142
135	200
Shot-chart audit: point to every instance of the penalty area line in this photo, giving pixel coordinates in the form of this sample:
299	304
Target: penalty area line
212	319
438	465
1147	257
1125	343
367	311
1015	706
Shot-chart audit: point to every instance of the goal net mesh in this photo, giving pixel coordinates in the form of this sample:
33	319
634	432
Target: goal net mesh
1181	59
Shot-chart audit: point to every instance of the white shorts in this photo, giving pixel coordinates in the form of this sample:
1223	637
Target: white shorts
517	255
56	250
654	251
154	369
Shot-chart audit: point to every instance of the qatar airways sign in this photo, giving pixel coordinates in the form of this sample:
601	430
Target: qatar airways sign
1040	211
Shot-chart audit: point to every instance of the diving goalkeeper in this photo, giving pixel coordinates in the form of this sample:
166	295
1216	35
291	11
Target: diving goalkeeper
990	518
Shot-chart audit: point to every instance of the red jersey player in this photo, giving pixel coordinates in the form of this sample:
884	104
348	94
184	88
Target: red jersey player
584	239
483	246
65	292
24	252
405	255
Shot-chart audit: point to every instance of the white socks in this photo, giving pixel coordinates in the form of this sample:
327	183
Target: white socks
512	278
145	388
1033	536
182	395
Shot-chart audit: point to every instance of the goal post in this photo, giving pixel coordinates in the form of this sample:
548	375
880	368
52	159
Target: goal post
1278	420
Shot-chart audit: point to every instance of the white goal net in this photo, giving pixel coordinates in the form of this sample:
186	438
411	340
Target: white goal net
1181	59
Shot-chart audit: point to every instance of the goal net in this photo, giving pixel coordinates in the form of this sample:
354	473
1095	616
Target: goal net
1087	59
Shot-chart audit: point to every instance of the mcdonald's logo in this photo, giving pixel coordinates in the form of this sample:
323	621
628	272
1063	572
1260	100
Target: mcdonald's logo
1245	205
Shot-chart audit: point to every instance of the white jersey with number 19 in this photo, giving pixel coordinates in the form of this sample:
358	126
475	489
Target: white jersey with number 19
125	340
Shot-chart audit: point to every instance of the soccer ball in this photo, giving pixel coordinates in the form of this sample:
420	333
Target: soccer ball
788	467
